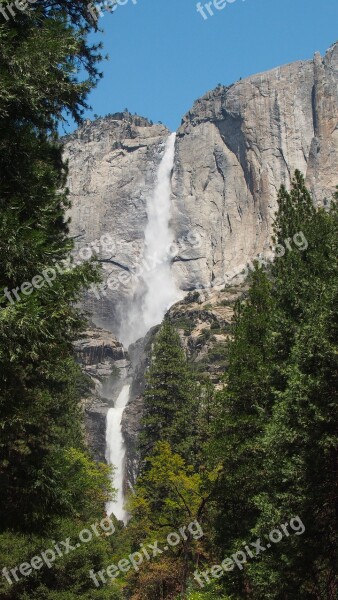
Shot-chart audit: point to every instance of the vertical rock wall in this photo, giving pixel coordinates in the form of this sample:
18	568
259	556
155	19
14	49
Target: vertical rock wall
234	149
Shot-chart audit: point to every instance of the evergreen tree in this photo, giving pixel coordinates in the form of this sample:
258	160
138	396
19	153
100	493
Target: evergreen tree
244	409
170	398
290	271
50	488
39	56
279	415
301	439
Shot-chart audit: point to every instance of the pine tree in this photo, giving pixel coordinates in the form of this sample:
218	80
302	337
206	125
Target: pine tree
301	440
38	397
278	423
279	414
292	288
50	488
170	397
244	409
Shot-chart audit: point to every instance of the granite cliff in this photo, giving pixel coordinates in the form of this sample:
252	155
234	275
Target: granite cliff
112	169
234	149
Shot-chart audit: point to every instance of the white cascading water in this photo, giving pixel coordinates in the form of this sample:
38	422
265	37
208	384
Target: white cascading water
115	452
160	287
159	292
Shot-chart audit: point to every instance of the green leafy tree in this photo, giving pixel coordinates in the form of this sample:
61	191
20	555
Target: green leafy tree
169	493
169	497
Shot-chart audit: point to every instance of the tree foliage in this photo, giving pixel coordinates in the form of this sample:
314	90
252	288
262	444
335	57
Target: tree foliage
170	397
50	488
279	418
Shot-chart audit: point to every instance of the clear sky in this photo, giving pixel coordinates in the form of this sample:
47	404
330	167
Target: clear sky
164	55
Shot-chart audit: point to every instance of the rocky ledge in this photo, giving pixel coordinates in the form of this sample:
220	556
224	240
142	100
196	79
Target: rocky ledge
106	364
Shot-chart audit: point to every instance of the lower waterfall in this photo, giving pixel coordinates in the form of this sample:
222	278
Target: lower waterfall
115	452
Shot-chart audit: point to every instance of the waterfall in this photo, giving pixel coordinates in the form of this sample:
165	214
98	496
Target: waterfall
115	452
155	292
159	290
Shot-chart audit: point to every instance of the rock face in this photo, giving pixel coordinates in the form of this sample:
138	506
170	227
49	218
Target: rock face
112	170
131	421
104	360
234	149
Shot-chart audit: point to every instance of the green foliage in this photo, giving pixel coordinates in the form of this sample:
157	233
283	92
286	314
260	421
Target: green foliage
184	323
163	578
170	397
300	441
68	576
226	303
169	495
218	353
244	407
85	484
169	492
277	428
41	55
50	489
213	592
205	334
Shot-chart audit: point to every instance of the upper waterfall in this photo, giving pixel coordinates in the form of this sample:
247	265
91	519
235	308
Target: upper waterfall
161	288
158	288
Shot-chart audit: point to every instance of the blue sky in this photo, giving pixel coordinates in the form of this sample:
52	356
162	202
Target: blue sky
164	55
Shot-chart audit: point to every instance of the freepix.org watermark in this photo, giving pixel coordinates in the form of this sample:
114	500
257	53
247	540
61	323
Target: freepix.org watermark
48	557
106	243
95	9
207	10
146	552
252	550
261	261
299	240
11	9
192	240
